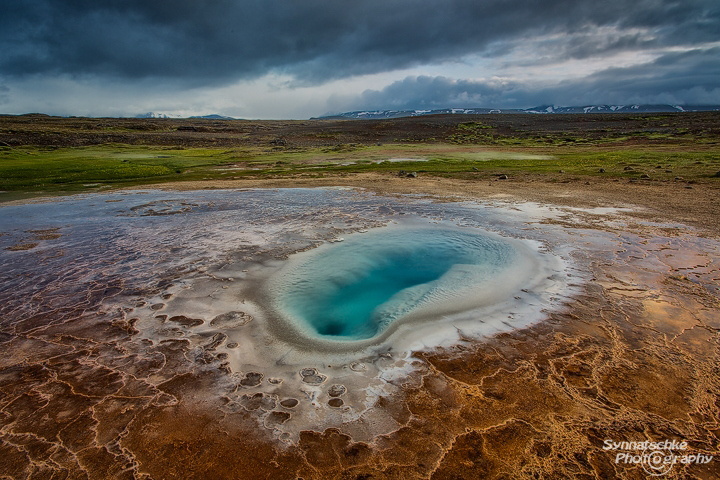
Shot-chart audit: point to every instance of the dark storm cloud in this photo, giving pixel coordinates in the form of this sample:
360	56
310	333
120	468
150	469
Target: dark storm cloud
424	92
215	41
687	78
4	94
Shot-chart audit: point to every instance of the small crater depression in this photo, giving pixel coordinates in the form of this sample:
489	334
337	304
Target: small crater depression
289	403
277	418
312	377
252	379
337	390
257	401
231	320
186	321
215	342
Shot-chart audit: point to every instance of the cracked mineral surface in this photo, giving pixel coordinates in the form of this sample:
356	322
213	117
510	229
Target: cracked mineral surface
136	342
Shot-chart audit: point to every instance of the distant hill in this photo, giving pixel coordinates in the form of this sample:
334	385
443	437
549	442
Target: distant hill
542	109
156	115
165	115
214	117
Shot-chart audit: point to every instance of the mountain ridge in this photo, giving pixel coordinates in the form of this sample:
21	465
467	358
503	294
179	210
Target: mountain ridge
540	110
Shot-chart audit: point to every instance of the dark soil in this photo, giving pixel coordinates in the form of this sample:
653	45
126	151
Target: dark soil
43	130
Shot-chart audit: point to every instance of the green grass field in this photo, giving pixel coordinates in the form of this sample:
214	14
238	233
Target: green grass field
34	170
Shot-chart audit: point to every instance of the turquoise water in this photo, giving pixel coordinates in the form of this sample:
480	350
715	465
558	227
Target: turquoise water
355	289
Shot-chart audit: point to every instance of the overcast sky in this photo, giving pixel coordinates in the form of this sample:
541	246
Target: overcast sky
303	58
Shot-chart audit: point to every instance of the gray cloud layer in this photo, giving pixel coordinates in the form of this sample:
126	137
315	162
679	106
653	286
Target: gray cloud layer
128	56
688	78
316	40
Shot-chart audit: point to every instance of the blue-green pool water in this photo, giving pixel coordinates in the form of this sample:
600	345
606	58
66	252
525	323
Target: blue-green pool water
355	289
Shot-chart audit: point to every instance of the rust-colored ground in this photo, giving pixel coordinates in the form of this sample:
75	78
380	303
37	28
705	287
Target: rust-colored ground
636	356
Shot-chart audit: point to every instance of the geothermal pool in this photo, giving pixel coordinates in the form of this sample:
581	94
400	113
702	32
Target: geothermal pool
360	287
356	289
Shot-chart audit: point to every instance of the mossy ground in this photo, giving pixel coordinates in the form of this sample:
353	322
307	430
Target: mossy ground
662	147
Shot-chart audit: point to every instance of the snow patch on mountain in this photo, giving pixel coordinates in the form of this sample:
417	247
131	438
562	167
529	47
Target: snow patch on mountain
157	115
540	110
